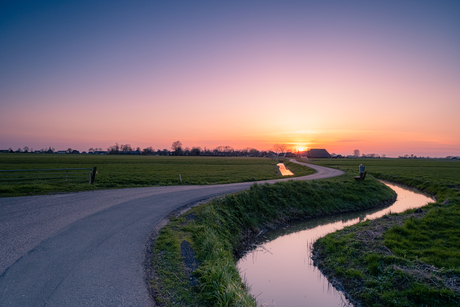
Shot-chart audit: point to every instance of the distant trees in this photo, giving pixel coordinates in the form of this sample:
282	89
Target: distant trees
195	151
126	148
356	153
177	148
147	151
113	149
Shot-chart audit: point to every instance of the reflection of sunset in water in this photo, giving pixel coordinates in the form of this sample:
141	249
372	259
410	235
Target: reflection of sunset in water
281	270
284	171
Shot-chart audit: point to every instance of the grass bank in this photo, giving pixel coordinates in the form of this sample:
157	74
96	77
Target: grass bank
195	254
409	259
115	171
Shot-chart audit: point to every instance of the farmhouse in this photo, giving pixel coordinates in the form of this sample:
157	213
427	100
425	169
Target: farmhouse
317	153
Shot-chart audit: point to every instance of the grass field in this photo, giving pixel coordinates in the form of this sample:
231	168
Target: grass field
411	259
115	171
420	173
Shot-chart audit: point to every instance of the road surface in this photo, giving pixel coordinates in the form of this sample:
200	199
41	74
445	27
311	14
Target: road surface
89	248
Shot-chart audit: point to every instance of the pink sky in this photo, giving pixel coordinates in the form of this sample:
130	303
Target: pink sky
382	78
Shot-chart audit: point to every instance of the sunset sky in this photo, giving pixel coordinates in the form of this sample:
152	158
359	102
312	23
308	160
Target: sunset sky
379	76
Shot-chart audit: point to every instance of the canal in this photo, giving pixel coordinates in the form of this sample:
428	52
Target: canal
280	271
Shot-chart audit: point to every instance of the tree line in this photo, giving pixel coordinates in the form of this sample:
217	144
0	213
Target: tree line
176	149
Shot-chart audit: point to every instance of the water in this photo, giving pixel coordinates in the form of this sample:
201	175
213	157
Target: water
283	170
281	272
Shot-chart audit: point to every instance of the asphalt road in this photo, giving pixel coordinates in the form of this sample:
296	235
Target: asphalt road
89	248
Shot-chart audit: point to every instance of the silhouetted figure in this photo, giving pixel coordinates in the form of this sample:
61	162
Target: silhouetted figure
361	169
362	173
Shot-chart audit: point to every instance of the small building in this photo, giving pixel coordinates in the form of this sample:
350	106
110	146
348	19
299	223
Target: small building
317	153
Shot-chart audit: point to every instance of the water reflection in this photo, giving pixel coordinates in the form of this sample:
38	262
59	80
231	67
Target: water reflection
283	170
280	270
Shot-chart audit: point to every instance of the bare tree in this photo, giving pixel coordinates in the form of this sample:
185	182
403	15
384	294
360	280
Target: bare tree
228	150
279	148
356	153
147	151
126	148
218	150
114	149
177	148
176	145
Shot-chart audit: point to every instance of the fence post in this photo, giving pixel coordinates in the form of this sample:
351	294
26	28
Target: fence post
93	175
180	177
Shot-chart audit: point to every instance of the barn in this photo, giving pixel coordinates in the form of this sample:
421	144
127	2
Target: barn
317	153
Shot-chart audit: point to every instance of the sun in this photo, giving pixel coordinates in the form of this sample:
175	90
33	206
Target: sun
299	148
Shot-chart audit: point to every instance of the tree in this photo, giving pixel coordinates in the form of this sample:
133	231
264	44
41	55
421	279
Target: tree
218	150
126	148
177	147
228	150
147	151
195	151
114	149
279	148
26	149
69	150
356	153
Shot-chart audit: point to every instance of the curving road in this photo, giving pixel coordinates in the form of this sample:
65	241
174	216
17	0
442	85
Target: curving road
88	248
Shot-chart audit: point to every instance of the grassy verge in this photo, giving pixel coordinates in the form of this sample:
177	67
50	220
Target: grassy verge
194	255
140	171
409	259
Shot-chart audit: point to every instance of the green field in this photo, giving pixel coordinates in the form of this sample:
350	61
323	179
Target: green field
411	259
116	171
425	172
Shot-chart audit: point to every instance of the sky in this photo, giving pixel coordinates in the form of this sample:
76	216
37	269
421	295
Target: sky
379	76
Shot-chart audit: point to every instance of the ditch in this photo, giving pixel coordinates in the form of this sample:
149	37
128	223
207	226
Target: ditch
280	270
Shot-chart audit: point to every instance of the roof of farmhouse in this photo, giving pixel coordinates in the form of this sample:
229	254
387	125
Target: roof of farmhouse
317	153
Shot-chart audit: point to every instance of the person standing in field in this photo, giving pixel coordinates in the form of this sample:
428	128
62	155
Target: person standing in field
361	169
